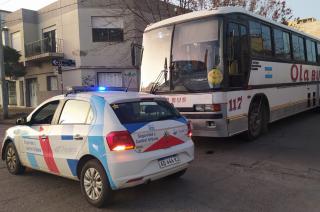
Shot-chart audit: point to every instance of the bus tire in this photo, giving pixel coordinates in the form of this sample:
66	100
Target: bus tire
257	119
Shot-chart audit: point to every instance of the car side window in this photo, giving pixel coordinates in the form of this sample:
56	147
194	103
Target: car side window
76	112
45	114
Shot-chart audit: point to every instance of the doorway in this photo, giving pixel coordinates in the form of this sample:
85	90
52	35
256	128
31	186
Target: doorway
31	85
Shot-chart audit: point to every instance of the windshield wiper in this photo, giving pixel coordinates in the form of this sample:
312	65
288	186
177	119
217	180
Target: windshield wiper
163	73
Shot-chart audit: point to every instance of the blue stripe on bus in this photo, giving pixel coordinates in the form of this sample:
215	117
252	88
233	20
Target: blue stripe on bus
268	76
32	160
268	68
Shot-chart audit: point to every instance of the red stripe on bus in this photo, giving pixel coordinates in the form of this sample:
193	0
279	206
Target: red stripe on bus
164	142
48	155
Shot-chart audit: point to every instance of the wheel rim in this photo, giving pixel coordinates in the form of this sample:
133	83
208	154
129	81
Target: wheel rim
11	159
93	184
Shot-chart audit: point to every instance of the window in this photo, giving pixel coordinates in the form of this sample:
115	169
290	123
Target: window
49	43
298	48
144	111
260	39
16	41
318	57
107	29
311	51
110	79
45	114
52	83
282	44
76	112
12	90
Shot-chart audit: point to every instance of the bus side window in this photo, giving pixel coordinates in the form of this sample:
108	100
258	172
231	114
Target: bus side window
233	48
238	54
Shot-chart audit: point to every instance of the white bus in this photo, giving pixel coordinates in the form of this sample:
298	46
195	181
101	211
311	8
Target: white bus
230	71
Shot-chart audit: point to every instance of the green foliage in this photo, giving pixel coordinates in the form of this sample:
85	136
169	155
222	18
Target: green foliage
12	66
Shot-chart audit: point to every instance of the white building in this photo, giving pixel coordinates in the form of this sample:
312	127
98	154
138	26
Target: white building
97	35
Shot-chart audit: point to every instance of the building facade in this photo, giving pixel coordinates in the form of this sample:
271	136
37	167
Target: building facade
308	25
98	40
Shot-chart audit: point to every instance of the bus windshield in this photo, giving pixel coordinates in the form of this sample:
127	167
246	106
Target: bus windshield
196	57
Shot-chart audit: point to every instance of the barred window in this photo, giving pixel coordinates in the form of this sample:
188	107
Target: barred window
107	29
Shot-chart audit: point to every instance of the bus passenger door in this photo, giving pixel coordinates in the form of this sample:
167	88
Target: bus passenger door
237	55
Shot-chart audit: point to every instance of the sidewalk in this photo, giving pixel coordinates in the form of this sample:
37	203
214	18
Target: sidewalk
14	113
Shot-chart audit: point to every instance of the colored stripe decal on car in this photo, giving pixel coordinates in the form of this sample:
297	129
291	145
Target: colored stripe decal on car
133	127
32	160
73	166
67	137
164	142
97	142
48	154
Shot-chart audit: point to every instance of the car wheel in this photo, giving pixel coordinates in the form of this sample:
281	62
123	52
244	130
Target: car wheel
12	160
95	184
178	174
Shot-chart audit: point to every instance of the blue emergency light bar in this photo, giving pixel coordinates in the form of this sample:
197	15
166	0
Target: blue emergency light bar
81	89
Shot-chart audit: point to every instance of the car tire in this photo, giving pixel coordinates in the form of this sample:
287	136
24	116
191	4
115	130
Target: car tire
178	174
95	185
13	163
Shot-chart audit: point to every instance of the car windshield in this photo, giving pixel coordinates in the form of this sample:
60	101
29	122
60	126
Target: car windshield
196	57
144	111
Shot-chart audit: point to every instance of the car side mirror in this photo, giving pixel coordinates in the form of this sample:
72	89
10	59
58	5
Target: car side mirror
21	121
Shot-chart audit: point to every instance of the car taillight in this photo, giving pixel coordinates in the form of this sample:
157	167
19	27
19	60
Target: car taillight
120	141
189	129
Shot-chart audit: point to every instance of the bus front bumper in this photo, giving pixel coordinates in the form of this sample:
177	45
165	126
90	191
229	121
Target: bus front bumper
206	127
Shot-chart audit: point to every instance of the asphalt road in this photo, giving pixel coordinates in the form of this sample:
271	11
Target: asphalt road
278	172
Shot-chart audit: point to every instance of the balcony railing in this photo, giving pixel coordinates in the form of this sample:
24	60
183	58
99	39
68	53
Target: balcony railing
44	46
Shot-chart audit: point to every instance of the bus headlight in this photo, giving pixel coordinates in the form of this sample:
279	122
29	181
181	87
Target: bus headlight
207	108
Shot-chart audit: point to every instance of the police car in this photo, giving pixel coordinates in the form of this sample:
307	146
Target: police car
108	139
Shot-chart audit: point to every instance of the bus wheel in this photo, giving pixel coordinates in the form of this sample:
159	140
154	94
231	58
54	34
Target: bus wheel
257	120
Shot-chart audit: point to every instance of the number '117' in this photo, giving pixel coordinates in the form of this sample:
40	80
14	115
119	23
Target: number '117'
235	104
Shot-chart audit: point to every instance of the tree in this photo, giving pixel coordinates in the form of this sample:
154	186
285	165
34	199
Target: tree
12	66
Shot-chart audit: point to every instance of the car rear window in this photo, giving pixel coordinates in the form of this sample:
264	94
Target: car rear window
144	111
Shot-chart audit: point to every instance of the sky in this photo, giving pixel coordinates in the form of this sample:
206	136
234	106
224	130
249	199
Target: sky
301	8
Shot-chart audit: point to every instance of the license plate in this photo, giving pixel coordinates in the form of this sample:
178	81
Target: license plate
169	161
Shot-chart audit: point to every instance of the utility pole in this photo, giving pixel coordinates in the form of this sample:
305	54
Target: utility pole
3	87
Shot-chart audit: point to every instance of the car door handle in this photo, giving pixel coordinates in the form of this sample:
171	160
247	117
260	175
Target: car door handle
44	137
78	137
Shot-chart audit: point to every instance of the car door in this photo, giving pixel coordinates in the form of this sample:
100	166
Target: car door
70	133
36	145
